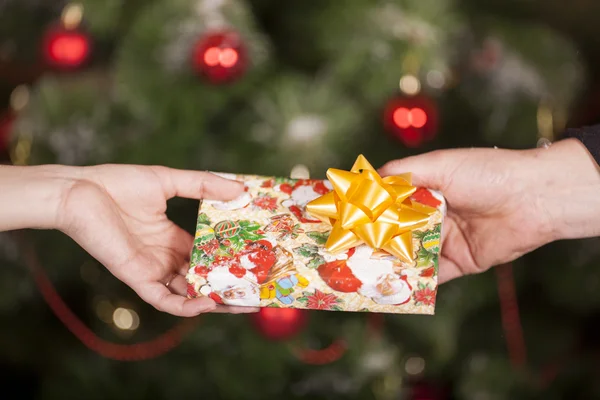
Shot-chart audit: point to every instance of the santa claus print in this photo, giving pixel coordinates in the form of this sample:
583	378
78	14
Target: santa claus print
227	288
301	193
258	258
370	277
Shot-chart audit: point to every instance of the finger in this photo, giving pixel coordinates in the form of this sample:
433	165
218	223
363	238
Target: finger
197	184
448	270
184	269
431	170
181	241
222	309
178	285
159	296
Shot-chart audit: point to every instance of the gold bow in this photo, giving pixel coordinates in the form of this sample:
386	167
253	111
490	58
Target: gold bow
365	208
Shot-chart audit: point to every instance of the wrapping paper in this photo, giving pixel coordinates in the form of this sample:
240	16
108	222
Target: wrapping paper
263	249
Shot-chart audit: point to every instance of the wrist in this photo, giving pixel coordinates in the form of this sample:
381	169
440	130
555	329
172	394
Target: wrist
32	197
569	190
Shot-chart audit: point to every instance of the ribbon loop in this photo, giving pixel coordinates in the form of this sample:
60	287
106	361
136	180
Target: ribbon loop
365	208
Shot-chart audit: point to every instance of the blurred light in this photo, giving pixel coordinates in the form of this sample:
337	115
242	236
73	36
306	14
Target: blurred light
19	98
559	119
405	118
21	152
220	57
412	120
300	172
211	56
68	48
410	85
72	15
436	79
545	122
305	128
279	323
418	117
126	319
402	117
282	316
228	58
414	365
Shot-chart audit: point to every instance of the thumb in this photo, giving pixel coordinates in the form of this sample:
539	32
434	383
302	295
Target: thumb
431	170
197	184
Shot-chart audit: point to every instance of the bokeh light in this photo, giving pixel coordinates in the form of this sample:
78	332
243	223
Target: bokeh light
126	319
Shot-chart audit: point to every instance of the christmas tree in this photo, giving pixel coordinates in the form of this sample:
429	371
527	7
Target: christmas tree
261	87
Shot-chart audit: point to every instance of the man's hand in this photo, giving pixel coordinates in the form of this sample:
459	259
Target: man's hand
117	214
503	203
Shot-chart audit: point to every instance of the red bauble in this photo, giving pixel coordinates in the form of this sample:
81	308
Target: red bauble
221	57
412	120
279	323
6	123
66	49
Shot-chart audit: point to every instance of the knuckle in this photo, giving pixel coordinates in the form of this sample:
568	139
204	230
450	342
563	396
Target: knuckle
392	166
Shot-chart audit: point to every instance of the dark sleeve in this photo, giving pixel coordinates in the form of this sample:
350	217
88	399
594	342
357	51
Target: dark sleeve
590	137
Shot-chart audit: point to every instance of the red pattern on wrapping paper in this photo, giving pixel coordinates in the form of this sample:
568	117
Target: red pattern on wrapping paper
286	188
216	298
300	215
265	203
321	301
268	183
237	270
191	291
317	185
405	279
202	271
428	272
209	247
261	254
425	197
221	261
425	296
338	276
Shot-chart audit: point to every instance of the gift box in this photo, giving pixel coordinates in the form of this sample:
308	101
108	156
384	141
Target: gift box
354	242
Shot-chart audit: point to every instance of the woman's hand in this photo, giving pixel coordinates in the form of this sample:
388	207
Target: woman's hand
117	214
504	203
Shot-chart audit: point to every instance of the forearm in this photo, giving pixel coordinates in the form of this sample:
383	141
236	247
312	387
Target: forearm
571	190
30	197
